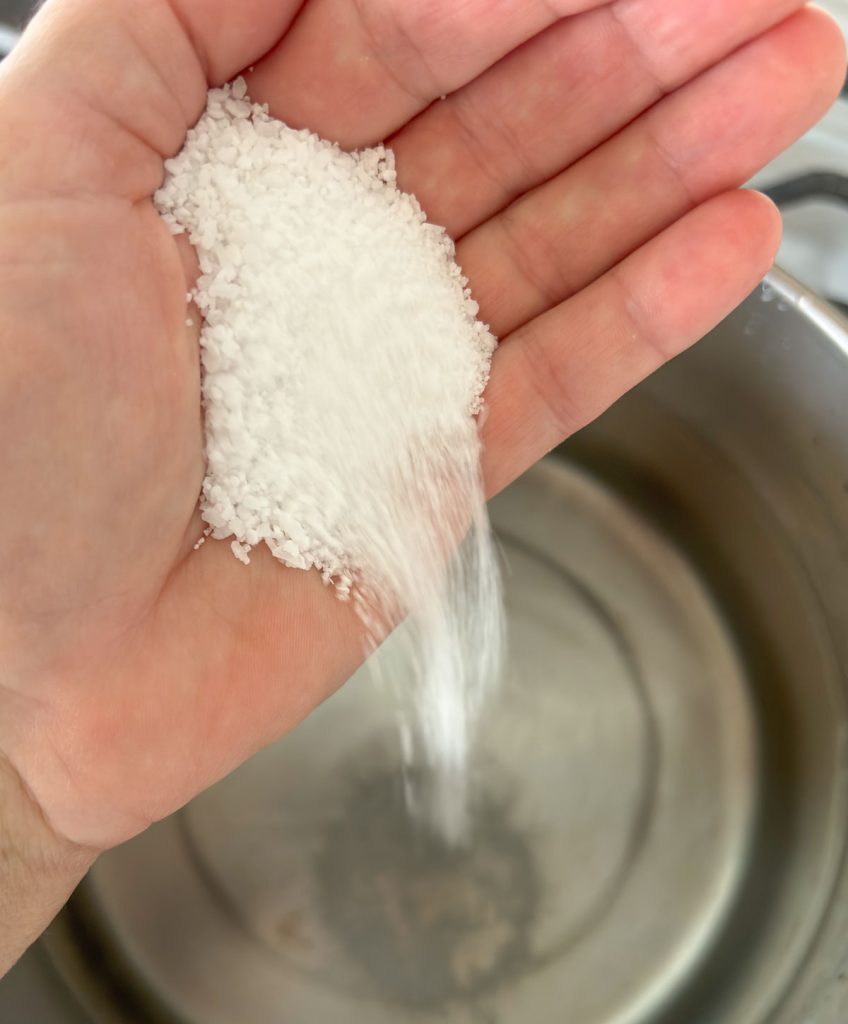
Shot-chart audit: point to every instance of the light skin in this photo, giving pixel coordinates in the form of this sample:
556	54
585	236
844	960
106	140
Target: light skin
586	159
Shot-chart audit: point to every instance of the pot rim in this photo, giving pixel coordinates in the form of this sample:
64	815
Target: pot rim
827	318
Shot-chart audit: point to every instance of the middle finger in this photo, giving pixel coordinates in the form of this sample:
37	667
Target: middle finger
560	95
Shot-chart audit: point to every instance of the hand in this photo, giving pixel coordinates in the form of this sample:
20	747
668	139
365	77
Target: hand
585	158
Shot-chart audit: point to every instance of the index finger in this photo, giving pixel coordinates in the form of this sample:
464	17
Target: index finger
98	92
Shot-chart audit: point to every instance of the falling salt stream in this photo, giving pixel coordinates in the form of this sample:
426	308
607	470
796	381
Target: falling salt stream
343	372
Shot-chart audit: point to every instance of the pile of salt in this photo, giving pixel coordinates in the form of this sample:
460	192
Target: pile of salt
343	366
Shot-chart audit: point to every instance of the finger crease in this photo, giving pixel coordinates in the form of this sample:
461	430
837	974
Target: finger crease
406	41
674	167
490	169
640	55
168	89
545	373
513	148
529	251
639	318
194	40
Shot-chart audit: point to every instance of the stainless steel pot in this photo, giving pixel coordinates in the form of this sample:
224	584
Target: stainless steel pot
662	788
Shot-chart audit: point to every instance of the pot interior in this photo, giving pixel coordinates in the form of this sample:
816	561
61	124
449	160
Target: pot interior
660	787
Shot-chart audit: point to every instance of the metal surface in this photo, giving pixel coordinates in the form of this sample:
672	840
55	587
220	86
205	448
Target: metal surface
661	788
13	16
625	707
17	12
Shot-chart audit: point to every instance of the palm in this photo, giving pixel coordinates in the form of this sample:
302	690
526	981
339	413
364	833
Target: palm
173	665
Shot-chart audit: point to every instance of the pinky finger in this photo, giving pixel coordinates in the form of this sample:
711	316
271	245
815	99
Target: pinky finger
566	367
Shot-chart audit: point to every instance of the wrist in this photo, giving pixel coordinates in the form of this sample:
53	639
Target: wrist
39	869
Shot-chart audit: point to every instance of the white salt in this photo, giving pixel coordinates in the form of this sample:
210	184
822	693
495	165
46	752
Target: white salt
343	367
